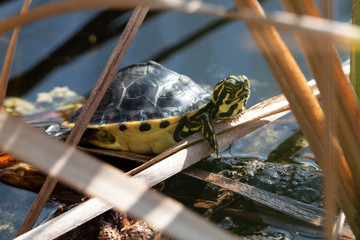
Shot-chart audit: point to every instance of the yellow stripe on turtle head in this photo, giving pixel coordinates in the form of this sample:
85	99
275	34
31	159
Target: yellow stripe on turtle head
230	96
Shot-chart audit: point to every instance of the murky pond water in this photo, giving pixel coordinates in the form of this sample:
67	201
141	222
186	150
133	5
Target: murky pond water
71	50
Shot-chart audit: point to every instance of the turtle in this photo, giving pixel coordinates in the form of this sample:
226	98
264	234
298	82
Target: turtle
148	108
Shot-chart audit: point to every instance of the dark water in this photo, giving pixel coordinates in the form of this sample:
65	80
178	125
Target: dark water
72	49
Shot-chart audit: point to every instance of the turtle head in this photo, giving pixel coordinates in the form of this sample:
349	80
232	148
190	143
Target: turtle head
230	96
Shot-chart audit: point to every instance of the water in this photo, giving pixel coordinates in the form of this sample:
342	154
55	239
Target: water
203	47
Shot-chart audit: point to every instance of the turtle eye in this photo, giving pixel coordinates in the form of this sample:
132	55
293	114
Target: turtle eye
247	82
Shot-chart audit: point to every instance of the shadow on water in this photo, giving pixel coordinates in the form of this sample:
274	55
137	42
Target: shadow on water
97	32
100	28
167	52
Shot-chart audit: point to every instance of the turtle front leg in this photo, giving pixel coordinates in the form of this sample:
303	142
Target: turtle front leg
207	128
199	122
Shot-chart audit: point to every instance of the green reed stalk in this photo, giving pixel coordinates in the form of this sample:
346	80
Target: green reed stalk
355	53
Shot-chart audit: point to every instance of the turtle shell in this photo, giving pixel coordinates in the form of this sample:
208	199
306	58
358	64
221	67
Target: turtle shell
147	91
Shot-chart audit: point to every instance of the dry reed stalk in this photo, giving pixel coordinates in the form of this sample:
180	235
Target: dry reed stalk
261	110
330	114
38	205
67	221
90	210
319	55
346	101
317	52
107	74
89	109
194	153
307	25
354	50
95	178
257	112
305	108
329	168
94	207
61	7
341	100
5	72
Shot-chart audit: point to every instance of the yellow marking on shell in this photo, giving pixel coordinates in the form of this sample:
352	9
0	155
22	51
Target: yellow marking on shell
155	140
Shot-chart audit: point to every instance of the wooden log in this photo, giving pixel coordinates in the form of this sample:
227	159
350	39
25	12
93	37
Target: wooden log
305	108
301	211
